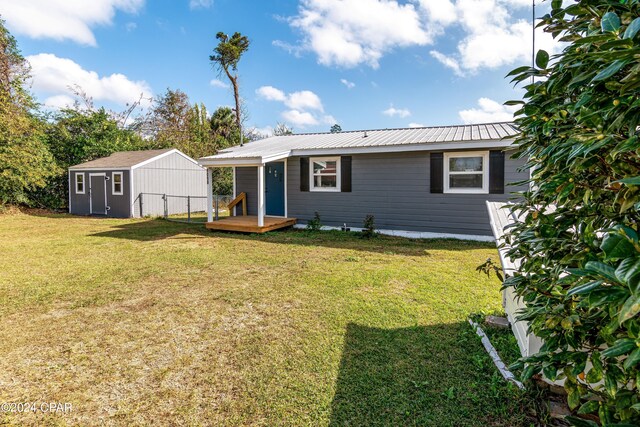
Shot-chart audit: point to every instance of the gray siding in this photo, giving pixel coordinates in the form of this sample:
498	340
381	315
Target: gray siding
118	204
247	181
395	188
171	175
78	203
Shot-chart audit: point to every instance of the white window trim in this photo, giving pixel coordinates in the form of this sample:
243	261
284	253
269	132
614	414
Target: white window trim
84	183
485	172
312	181
113	184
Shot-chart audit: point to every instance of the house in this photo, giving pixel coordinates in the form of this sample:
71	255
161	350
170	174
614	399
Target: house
137	183
417	182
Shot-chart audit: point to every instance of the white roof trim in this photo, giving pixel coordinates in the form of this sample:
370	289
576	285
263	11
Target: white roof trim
159	156
278	156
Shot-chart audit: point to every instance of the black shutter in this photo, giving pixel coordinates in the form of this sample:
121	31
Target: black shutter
437	172
496	172
345	174
304	174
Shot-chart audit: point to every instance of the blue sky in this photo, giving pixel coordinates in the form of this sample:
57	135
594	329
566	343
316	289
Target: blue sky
361	63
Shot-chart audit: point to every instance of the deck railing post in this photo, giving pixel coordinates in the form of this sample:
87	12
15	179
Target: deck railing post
217	206
188	208
209	194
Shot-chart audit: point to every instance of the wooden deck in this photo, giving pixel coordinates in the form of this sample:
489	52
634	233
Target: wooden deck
249	224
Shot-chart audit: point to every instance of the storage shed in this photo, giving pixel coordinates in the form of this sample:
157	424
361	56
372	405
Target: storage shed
138	183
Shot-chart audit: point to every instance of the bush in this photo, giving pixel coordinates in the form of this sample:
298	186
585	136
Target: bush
369	227
578	239
314	224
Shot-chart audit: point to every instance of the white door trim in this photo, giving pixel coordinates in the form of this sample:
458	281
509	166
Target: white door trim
285	189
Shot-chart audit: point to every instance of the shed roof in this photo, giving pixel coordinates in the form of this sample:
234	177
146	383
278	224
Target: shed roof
122	159
377	140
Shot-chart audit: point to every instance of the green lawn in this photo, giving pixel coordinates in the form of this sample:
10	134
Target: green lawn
141	322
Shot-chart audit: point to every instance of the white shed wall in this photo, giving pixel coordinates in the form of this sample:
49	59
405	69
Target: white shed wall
172	175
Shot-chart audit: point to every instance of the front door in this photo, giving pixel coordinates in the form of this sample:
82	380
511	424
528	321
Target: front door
274	188
98	194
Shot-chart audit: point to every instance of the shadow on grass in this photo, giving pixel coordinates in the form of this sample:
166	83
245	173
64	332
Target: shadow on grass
431	375
150	229
157	229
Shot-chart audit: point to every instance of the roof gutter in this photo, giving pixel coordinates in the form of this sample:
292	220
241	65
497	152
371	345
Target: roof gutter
399	148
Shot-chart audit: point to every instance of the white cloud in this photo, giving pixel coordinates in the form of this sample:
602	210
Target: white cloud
439	11
57	102
219	83
348	33
447	61
347	83
396	112
493	37
329	119
416	125
304	107
299	118
290	48
304	100
130	26
63	19
200	4
489	111
54	77
271	93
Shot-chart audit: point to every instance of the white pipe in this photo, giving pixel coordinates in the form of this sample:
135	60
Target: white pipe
506	373
261	195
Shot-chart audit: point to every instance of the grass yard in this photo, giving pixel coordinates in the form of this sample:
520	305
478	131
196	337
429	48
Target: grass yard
147	322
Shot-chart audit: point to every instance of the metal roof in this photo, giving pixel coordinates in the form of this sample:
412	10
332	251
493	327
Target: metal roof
407	139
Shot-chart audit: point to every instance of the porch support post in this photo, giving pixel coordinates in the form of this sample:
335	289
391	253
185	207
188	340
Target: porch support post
261	195
209	195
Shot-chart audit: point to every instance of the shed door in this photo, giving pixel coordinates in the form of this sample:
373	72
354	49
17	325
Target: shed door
274	188
98	194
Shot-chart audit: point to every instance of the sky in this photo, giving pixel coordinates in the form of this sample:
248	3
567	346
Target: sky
364	64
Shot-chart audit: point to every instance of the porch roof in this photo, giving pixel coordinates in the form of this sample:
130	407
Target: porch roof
490	135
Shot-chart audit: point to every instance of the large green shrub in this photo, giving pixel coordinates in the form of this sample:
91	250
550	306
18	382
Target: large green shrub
25	161
75	136
578	241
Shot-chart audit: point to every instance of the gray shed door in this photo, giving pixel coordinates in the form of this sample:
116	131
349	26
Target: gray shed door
98	194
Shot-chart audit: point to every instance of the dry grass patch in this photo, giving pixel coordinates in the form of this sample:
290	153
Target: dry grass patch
140	322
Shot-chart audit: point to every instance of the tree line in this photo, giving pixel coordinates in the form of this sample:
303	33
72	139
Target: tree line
38	146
